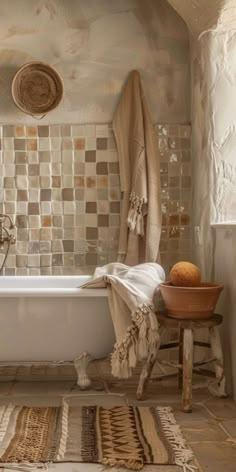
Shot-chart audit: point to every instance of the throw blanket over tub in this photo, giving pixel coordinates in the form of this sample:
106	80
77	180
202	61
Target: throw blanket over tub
139	175
130	292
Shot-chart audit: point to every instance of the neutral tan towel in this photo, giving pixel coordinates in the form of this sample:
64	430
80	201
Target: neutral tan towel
133	300
140	176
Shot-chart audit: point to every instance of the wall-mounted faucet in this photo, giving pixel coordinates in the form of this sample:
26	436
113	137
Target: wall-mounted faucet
6	238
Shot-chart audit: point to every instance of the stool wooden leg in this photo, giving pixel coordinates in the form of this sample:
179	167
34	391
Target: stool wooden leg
147	369
187	370
181	337
145	375
219	363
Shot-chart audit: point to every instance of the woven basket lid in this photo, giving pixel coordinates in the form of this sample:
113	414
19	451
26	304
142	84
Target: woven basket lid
37	88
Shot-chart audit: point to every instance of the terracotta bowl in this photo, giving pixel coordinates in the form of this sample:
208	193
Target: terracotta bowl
190	302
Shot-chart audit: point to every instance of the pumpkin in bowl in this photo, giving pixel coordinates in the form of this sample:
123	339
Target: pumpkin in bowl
185	274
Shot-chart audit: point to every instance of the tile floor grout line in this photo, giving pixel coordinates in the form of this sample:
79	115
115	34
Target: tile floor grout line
230	438
211	413
219	420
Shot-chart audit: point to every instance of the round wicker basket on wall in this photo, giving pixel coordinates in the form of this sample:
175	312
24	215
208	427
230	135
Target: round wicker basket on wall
37	89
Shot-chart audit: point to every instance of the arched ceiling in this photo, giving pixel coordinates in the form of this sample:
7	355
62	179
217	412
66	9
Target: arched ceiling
202	15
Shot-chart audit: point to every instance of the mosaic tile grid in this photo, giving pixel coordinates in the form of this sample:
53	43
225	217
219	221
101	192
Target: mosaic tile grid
176	194
61	186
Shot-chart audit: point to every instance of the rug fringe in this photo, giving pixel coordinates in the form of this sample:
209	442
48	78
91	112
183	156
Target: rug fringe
64	431
26	466
5	419
183	454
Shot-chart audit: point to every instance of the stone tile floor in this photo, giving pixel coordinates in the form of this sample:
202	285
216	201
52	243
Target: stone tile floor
210	429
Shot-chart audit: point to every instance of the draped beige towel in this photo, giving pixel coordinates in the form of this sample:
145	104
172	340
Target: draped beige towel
133	299
140	176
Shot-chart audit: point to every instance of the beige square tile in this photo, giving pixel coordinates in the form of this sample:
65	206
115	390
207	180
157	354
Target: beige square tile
55	130
66	130
90	130
45	208
102	131
69	208
34	221
8	157
102	181
33	195
45	182
90	168
22	208
45	169
21	181
8	144
32	131
56	194
33	260
79	156
91	143
55	144
31	144
32	156
9	170
103	206
67	157
90	181
44	144
67	144
56	156
67	180
78	130
80	207
20	132
91	220
79	144
90	194
57	208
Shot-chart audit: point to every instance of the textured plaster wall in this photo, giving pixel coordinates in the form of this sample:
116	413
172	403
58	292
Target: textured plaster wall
224	272
213	27
94	44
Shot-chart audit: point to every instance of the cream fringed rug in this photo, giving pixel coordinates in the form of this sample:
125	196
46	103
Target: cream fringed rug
122	436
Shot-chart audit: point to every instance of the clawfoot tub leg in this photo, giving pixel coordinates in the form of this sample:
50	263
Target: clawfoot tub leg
81	364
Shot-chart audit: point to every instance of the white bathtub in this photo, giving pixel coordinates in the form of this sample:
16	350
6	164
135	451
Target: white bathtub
49	318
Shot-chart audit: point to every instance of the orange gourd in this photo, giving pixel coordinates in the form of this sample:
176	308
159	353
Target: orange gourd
185	274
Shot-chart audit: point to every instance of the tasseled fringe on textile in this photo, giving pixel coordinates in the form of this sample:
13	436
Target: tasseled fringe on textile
129	464
135	216
142	338
64	432
183	454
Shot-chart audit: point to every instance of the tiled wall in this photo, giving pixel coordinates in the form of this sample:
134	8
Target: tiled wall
61	186
176	238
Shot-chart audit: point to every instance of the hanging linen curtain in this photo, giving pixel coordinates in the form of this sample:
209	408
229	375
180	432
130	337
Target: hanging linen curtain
139	162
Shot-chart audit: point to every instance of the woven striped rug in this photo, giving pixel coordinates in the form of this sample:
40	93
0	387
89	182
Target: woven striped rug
123	436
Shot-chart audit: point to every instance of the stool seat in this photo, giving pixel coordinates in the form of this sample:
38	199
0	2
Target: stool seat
186	366
185	323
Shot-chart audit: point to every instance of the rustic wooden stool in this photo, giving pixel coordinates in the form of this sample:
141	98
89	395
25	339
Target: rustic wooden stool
186	365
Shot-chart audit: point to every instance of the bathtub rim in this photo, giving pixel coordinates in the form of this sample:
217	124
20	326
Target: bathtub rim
9	292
